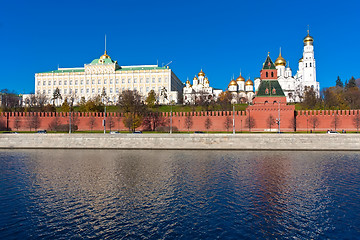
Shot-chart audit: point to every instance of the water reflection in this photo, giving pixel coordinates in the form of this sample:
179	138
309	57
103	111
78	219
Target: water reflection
178	194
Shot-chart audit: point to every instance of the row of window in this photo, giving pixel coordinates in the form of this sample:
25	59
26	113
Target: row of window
100	81
99	90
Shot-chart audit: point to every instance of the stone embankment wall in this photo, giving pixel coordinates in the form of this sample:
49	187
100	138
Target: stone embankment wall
183	141
302	120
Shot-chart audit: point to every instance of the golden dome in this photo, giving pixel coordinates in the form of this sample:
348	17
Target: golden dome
249	82
240	78
206	80
187	81
301	59
280	61
195	78
233	83
104	56
308	40
201	73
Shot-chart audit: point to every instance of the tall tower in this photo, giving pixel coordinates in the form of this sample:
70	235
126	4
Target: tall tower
280	64
307	65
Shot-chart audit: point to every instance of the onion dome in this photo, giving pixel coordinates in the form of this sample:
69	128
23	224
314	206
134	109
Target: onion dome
249	82
240	78
308	40
206	80
105	56
201	73
233	83
300	60
280	61
195	78
187	81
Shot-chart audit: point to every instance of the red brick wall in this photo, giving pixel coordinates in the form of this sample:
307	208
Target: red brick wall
260	113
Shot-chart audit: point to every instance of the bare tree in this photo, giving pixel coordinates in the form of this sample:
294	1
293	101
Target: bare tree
356	121
33	122
270	121
314	122
188	122
250	123
336	121
228	123
55	124
208	123
111	122
92	122
17	123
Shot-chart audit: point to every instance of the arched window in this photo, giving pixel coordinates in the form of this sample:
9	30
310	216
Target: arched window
274	102
266	102
272	74
305	64
310	64
267	75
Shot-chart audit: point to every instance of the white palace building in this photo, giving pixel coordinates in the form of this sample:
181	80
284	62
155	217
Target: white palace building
294	86
103	75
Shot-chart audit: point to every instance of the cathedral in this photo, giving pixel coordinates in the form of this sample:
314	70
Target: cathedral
242	91
294	86
200	90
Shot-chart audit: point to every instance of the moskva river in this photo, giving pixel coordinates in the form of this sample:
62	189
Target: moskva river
108	194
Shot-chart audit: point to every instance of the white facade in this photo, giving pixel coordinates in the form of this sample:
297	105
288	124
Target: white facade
294	86
199	89
242	92
105	75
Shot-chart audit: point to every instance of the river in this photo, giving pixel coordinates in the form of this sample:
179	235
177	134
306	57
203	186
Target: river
129	194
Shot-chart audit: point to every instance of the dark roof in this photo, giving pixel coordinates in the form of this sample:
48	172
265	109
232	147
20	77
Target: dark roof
268	64
270	88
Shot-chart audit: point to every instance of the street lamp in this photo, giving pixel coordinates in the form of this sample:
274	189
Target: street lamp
278	120
233	118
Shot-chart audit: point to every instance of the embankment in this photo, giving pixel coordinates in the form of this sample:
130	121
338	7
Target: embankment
323	142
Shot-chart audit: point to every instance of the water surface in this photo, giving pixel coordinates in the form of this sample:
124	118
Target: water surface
76	194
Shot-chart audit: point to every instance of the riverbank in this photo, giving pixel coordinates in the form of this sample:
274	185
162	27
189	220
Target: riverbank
320	142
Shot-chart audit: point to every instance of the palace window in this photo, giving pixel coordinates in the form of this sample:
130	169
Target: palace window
104	81
111	90
87	90
38	83
141	80
87	82
76	91
93	81
43	91
76	82
166	79
44	83
123	80
141	89
70	82
99	81
129	80
59	82
54	82
159	80
65	91
111	81
82	82
310	64
98	90
117	81
93	90
49	83
147	89
135	80
82	91
117	90
65	82
49	91
147	80
153	80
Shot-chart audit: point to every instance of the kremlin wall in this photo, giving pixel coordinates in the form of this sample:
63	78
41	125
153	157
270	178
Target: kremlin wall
302	122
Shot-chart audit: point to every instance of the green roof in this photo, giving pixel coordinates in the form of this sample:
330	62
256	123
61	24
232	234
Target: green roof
66	70
105	61
270	88
139	68
268	64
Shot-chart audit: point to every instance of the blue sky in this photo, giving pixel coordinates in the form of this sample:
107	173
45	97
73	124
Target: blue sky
220	37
